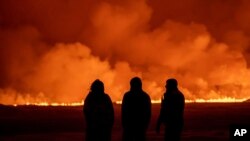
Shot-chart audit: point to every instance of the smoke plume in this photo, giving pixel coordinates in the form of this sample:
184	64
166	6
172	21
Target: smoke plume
53	50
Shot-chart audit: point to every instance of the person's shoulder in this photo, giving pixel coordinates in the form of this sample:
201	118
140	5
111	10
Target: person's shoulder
89	96
146	94
181	94
127	93
106	96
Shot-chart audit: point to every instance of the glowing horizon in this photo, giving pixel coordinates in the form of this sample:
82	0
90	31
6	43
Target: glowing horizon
54	53
54	104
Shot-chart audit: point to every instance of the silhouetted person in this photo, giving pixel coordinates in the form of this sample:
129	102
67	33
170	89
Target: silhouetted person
99	113
172	109
136	112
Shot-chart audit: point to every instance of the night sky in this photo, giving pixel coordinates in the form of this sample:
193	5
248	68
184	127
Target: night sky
52	50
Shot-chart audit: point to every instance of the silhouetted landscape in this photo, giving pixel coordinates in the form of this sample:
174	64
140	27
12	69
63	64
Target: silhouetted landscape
203	121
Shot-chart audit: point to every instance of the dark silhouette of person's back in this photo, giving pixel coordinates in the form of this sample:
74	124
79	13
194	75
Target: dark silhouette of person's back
99	113
136	112
172	109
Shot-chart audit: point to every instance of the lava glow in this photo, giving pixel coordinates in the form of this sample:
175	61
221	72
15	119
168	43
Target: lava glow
222	100
50	56
51	104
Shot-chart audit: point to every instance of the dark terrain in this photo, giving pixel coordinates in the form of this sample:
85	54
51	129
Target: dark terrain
203	121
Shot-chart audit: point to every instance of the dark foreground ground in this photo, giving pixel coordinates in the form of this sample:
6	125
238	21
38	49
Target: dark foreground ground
203	122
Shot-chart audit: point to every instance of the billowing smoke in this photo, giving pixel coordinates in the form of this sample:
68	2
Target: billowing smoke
53	50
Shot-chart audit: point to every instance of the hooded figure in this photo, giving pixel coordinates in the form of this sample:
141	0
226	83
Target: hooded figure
136	112
99	113
172	109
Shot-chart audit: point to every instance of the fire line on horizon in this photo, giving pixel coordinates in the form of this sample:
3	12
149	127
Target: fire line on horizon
51	52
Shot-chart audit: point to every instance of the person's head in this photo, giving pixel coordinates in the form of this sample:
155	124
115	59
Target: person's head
135	84
97	86
171	84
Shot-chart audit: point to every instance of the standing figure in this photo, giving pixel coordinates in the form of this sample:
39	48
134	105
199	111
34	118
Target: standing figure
136	112
99	113
172	109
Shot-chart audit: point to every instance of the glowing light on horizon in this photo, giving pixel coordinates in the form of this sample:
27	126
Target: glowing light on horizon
54	104
219	100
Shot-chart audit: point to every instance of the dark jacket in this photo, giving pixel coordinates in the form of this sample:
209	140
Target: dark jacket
98	111
172	109
136	110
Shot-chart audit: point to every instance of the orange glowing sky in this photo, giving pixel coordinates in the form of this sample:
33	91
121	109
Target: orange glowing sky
52	50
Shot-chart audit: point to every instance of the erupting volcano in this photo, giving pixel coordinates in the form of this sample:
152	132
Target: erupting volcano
51	51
